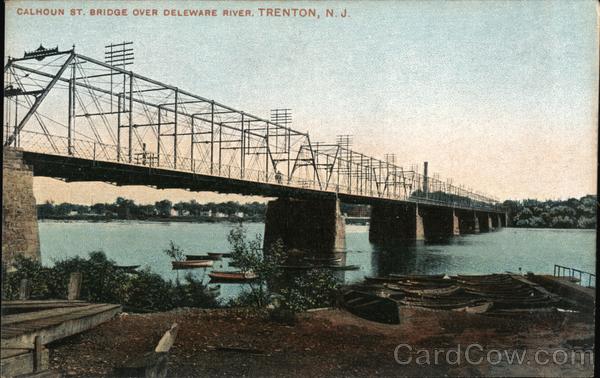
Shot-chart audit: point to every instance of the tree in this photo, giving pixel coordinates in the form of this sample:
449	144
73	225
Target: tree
45	210
164	208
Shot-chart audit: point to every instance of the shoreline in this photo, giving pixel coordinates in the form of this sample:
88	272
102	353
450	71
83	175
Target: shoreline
241	220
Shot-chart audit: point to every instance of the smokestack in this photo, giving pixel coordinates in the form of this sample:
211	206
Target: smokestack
425	179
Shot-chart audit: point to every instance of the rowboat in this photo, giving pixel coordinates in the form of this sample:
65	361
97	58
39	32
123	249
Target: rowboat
343	267
208	256
215	255
370	306
192	264
328	260
225	277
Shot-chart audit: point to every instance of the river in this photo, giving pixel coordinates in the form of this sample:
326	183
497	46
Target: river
142	243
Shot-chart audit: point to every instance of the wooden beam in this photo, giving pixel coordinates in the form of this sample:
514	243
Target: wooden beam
24	289
58	327
74	286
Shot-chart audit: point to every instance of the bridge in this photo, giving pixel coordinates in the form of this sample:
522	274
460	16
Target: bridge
76	118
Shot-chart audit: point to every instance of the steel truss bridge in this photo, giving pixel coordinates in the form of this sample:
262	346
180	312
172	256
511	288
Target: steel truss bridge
80	119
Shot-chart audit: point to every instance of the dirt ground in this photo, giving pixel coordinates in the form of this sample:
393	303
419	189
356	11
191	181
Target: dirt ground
241	342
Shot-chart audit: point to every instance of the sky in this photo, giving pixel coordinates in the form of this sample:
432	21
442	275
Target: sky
501	96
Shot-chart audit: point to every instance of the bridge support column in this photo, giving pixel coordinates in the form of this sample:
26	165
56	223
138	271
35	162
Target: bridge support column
19	214
396	222
440	223
469	223
306	227
496	222
485	222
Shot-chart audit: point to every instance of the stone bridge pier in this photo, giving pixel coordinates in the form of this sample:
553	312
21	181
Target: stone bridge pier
396	222
469	222
411	223
19	214
307	228
485	222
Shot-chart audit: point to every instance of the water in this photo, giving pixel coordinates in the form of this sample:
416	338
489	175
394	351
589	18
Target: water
141	243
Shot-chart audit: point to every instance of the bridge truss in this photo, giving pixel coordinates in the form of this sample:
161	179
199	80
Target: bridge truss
68	104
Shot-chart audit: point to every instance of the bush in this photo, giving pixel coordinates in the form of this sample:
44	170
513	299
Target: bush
103	281
288	292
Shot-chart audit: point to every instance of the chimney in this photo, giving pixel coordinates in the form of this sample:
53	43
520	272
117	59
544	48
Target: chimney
425	179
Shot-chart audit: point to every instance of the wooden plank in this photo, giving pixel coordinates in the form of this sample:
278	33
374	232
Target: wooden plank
78	322
30	316
33	302
22	363
166	342
37	354
24	289
74	286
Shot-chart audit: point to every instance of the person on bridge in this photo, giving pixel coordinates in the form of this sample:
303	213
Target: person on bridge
278	177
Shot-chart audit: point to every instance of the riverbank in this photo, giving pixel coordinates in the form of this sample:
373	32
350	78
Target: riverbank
99	219
241	342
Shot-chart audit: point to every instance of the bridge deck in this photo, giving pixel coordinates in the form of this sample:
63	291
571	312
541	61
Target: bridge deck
74	169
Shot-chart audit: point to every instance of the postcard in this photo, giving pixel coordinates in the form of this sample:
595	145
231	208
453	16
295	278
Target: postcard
299	188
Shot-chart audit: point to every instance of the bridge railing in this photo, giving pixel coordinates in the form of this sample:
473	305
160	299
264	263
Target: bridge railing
93	150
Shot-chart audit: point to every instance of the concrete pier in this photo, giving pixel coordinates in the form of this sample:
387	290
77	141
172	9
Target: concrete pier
19	214
396	222
306	227
440	223
469	223
485	222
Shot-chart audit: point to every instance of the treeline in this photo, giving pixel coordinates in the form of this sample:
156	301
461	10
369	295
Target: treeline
572	213
124	208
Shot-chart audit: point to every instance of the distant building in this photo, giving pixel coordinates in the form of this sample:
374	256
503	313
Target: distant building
219	215
239	214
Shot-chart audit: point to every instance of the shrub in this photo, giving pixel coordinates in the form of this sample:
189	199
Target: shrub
289	292
103	281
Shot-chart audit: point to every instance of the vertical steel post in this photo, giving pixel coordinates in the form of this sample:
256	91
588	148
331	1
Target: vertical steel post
158	137
289	151
119	127
212	135
220	143
242	150
175	130
267	154
192	146
130	136
71	122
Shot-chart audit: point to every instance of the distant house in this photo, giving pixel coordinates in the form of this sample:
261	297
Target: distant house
173	212
206	213
239	214
219	215
72	213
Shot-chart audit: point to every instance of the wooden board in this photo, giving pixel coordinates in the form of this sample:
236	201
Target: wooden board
20	330
21	361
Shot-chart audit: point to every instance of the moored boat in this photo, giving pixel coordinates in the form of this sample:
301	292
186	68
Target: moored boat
192	264
371	307
208	256
215	255
217	276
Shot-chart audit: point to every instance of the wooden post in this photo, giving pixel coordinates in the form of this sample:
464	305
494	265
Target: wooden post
152	364
37	354
24	289
166	342
74	286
